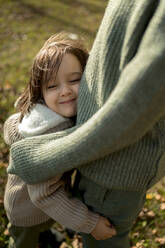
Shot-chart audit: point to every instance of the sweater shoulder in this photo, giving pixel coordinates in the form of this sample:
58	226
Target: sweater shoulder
10	129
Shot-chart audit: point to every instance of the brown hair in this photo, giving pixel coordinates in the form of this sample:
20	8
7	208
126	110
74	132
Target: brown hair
46	65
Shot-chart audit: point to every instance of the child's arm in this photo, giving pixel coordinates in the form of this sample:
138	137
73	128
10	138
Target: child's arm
70	212
51	198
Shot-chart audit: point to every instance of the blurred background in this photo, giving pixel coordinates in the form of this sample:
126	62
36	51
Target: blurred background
24	26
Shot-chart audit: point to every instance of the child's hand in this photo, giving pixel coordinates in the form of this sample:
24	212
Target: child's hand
103	229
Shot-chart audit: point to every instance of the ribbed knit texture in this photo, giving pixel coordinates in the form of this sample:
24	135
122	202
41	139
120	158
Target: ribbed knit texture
120	137
28	205
19	208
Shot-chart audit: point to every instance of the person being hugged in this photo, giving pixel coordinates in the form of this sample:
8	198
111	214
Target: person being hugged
47	105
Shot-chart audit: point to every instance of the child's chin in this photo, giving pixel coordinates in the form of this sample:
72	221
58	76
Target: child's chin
69	114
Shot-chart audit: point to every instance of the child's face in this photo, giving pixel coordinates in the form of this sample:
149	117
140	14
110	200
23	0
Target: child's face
61	94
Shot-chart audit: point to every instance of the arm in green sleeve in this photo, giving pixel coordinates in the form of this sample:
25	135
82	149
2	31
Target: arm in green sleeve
134	106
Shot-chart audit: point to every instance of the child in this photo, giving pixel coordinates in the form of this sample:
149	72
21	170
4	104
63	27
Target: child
49	104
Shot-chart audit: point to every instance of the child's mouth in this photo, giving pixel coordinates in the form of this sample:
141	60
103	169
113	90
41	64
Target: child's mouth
68	101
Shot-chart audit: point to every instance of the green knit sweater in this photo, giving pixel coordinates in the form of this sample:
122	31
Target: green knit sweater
119	140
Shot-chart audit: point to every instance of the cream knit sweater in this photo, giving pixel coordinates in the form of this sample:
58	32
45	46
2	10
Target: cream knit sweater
28	205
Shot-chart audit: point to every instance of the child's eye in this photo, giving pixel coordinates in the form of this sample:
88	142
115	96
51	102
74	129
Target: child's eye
52	86
75	80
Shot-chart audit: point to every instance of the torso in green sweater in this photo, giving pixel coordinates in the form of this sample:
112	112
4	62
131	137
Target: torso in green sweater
117	43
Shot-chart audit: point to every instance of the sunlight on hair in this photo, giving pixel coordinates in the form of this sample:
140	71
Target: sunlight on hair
73	36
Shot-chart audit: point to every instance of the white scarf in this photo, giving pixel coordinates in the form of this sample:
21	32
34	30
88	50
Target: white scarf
39	120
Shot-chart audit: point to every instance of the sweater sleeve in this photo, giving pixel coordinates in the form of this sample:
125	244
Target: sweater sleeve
50	196
135	105
54	201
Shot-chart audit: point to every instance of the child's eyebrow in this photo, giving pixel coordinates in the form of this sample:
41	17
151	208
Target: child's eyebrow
73	73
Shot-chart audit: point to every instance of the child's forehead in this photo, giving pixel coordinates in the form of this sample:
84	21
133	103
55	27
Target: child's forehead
67	74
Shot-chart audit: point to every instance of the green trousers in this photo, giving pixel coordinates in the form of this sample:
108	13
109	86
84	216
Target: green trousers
26	237
119	206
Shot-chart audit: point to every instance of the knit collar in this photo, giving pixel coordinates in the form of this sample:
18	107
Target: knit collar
39	120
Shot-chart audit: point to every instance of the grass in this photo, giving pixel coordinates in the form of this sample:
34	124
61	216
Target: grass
24	26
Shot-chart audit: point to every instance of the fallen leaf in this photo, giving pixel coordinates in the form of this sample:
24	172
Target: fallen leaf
160	240
154	231
143	212
136	234
6	232
140	244
157	196
77	242
151	214
162	206
149	196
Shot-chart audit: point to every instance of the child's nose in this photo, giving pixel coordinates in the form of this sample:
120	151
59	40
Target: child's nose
65	90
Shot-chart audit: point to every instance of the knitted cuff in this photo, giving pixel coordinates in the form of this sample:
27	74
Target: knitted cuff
91	224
